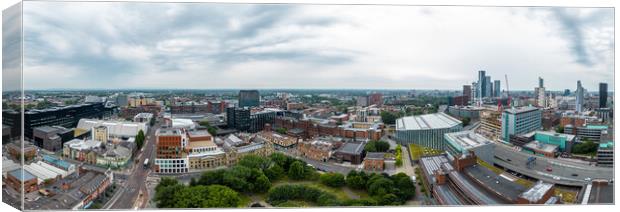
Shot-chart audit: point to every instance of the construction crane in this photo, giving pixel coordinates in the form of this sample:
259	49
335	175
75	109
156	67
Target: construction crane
507	90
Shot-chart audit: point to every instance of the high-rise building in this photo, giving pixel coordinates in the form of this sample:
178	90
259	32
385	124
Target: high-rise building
566	92
498	89
517	121
171	154
488	87
238	118
579	98
467	93
602	95
481	89
541	82
540	94
249	98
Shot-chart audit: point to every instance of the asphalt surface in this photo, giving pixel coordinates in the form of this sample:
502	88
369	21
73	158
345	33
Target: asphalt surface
133	184
562	172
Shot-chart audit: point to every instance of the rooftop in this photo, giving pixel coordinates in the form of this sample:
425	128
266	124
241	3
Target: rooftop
537	145
537	191
497	184
521	110
115	128
18	175
375	155
428	121
467	139
352	148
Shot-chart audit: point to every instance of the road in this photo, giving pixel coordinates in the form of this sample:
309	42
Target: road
134	182
562	172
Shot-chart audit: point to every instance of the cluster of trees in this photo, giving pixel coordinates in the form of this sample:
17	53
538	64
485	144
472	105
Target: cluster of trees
377	146
140	139
254	174
172	194
383	189
281	130
586	148
332	179
389	117
399	155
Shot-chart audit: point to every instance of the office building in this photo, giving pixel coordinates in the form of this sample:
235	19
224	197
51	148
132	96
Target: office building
498	89
467	93
605	154
517	121
249	98
589	132
375	99
488	86
539	93
579	98
602	95
481	84
426	130
238	118
67	117
259	119
171	153
52	138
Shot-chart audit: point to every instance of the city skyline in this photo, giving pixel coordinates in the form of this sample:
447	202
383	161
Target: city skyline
224	46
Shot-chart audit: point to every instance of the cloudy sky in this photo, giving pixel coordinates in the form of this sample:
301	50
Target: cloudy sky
176	45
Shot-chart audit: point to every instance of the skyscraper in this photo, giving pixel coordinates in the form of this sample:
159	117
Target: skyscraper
539	92
481	89
249	98
602	95
498	88
488	86
467	91
579	97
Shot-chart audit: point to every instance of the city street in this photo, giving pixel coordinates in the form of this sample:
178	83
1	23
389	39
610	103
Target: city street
134	184
562	172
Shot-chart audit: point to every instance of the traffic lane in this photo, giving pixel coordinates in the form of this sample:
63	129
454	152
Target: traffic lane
561	168
517	161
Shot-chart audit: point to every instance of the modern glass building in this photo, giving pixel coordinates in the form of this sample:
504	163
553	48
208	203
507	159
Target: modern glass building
426	130
249	98
518	121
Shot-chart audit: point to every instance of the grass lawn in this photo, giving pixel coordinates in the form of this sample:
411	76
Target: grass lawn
335	191
245	201
567	196
417	151
524	182
490	167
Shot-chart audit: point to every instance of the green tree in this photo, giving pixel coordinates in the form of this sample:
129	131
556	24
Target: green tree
274	172
221	197
355	180
559	129
140	139
262	184
296	171
466	121
281	130
388	117
332	179
255	162
281	159
377	146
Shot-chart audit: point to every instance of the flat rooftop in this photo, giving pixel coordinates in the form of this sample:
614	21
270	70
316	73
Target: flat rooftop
497	184
521	110
467	139
352	148
537	191
537	145
427	121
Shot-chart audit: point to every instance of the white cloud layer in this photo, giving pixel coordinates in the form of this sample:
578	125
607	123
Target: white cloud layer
176	45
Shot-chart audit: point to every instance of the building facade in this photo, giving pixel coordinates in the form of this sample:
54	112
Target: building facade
426	130
249	98
517	121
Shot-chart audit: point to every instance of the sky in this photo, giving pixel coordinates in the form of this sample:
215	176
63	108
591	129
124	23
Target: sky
201	46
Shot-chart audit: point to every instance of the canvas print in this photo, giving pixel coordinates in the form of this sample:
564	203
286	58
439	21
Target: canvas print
153	105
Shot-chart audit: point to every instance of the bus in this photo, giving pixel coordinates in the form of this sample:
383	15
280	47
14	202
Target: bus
146	163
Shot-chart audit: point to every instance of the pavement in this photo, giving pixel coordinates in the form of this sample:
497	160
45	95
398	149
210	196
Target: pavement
133	184
562	172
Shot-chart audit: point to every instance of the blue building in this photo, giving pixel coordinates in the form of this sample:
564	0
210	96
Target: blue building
518	121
